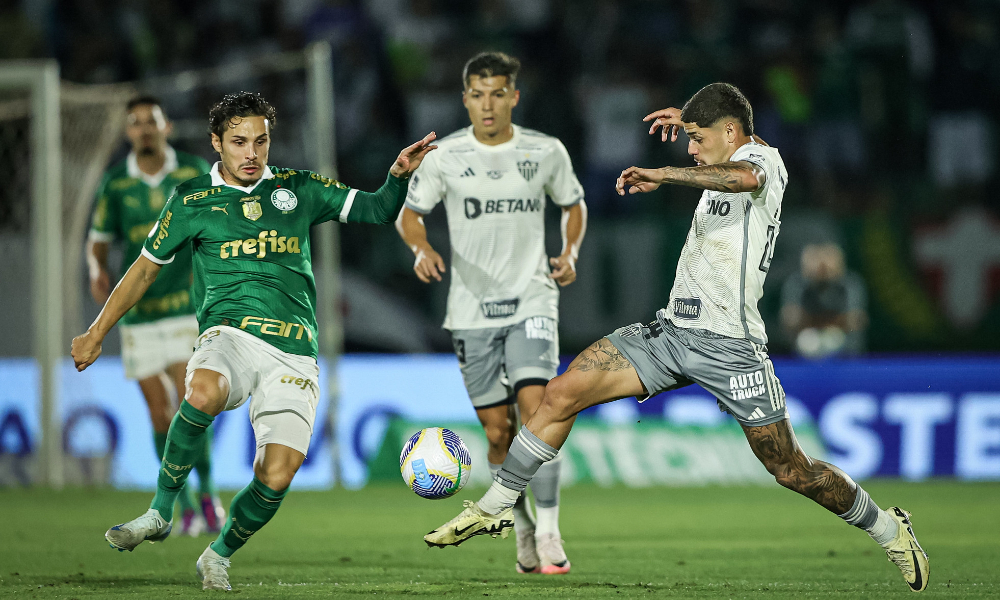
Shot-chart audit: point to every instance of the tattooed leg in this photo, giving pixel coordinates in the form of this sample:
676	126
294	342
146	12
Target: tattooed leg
776	447
599	374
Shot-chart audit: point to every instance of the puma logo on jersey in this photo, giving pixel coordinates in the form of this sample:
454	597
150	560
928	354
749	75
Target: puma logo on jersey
220	208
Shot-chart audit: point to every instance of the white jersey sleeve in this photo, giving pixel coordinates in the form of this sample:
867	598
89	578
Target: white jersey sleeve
426	187
758	155
563	186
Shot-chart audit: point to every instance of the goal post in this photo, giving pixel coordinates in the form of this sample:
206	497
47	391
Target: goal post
40	80
322	149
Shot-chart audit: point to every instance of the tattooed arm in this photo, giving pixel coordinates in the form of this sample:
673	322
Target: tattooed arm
741	176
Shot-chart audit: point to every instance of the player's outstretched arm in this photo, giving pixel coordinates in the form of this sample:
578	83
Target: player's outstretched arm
87	347
411	156
382	206
574	227
731	177
428	264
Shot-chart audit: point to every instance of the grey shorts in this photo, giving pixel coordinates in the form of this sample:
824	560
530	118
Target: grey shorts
498	361
737	372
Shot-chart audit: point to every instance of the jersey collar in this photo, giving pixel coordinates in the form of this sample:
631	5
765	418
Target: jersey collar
499	147
217	179
169	166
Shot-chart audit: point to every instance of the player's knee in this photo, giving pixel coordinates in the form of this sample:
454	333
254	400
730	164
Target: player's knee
560	399
499	435
275	476
206	394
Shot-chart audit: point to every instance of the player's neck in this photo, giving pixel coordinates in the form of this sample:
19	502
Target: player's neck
737	144
151	163
500	137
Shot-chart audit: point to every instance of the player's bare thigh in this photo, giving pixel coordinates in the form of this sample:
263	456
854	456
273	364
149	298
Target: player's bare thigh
599	374
207	390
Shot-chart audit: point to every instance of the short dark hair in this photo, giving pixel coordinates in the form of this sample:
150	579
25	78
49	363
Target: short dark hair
716	101
240	104
491	64
146	100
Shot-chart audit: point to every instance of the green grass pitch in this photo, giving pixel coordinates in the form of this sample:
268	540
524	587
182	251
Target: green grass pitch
710	542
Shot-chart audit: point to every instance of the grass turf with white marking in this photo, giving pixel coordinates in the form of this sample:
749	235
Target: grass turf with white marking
709	542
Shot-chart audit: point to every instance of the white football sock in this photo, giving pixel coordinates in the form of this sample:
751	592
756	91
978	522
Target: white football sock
883	531
498	498
523	520
548	520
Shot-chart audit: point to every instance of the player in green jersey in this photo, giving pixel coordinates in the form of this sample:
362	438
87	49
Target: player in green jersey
248	225
159	332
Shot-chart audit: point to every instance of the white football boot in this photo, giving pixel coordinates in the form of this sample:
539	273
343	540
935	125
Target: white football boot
527	556
213	570
906	553
551	554
149	527
471	522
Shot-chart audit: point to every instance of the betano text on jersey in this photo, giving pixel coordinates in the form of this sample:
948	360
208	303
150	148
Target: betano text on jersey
495	200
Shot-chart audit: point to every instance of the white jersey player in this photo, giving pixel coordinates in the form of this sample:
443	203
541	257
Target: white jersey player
503	304
710	334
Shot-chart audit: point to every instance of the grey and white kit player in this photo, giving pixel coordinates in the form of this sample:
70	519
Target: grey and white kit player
502	303
711	332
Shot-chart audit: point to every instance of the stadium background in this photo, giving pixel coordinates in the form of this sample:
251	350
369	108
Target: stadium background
885	112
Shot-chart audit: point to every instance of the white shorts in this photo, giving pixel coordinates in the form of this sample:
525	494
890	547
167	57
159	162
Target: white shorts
149	348
284	387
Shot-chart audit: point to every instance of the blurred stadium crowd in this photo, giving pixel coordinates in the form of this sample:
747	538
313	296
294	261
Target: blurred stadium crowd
884	112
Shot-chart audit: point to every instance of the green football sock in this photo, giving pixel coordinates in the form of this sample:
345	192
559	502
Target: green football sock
203	465
184	444
184	497
251	509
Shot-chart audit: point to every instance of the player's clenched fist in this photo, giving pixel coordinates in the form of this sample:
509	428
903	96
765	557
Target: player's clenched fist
563	269
85	350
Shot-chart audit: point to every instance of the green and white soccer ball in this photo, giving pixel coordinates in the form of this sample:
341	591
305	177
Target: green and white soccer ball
435	463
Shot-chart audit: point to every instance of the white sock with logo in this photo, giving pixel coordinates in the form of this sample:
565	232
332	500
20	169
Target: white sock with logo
523	520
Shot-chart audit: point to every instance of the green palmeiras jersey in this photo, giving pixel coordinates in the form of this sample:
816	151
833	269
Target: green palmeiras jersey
251	246
128	204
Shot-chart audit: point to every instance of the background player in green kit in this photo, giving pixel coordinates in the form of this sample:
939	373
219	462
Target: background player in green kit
248	225
159	332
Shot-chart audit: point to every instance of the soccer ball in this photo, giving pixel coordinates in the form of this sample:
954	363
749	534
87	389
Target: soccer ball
435	463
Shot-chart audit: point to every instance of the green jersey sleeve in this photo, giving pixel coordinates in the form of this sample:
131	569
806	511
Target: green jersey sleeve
171	233
338	201
105	224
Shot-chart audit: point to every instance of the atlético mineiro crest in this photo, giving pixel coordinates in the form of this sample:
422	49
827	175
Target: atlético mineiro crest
527	169
283	199
252	209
